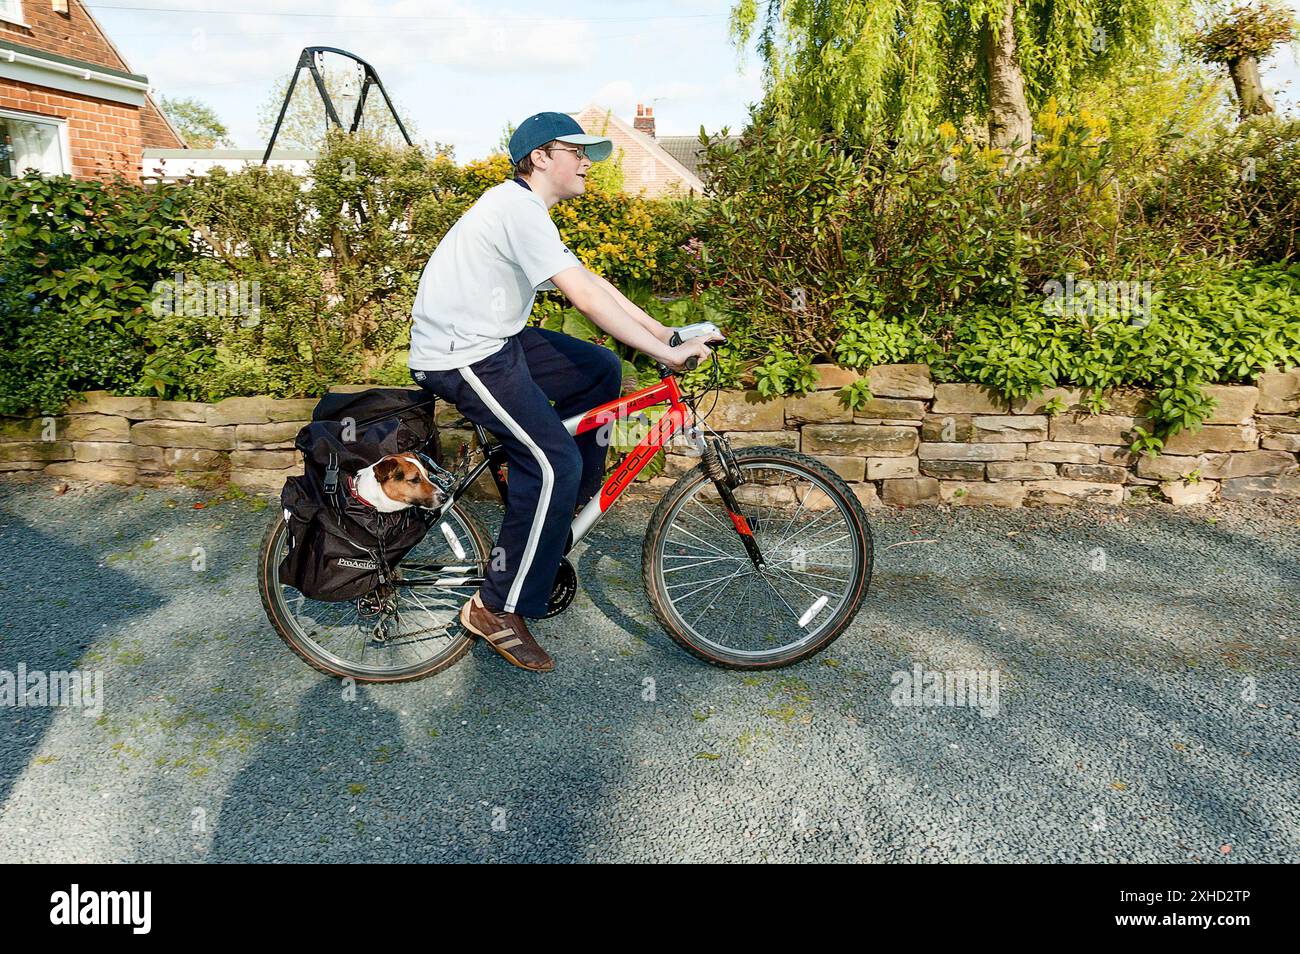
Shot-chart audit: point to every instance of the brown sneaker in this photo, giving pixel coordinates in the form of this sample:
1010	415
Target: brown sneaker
507	634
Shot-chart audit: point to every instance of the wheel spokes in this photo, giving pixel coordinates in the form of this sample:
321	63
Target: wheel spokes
808	546
417	623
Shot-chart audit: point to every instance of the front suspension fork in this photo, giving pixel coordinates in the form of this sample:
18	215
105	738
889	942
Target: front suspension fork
720	467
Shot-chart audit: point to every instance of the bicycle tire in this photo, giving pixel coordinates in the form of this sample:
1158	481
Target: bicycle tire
833	485
268	577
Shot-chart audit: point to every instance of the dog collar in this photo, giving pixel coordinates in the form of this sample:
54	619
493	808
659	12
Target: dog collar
347	482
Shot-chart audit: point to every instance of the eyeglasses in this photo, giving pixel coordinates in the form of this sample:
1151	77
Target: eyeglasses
580	150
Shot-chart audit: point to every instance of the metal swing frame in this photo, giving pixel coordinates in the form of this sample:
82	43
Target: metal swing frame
307	60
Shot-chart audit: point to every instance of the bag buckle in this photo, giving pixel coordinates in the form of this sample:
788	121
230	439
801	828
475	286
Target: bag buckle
332	475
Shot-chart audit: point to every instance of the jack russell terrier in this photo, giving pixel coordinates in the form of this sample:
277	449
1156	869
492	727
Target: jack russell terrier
394	483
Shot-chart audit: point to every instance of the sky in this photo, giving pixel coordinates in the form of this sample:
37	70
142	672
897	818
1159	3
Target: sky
461	69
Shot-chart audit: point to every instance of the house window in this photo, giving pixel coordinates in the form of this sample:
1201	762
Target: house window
12	10
32	142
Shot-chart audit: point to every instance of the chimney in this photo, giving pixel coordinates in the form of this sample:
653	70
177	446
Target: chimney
645	120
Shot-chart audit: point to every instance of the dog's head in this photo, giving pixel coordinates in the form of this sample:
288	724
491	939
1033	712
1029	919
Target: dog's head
402	478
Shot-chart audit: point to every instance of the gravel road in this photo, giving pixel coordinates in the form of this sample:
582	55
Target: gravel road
1148	691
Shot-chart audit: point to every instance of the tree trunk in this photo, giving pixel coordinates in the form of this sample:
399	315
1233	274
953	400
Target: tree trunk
1251	95
1010	126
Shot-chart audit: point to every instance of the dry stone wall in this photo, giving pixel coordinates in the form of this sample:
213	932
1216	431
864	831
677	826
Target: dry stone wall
916	442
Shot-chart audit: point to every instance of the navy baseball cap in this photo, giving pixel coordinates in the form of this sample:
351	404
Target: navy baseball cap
539	129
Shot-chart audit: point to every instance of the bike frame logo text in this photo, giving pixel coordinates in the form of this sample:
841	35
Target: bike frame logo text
103	907
77	690
973	688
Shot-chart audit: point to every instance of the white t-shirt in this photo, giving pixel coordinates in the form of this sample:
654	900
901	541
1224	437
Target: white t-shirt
478	287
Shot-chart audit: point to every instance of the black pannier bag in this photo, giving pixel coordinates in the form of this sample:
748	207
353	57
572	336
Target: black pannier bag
340	547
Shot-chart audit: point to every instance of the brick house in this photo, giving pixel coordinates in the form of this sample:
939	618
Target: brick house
647	166
659	165
69	103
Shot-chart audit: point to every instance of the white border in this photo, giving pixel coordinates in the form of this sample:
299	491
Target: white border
83	80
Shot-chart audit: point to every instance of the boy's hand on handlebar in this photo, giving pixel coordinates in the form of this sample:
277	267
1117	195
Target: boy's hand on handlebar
696	348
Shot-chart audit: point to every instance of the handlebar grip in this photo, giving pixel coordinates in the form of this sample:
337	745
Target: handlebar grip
691	362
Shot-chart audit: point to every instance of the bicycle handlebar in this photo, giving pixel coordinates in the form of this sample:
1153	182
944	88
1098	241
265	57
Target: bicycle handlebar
699	330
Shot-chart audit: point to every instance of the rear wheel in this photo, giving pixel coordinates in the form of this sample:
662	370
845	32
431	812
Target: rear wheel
711	598
396	634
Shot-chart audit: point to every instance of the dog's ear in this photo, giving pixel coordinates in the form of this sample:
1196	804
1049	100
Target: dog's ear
387	469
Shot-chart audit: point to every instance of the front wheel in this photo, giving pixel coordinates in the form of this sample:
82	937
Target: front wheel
816	549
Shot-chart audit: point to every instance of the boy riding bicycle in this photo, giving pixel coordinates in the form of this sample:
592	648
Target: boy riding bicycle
471	345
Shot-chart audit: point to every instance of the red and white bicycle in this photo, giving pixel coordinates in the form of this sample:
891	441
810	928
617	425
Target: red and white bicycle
757	558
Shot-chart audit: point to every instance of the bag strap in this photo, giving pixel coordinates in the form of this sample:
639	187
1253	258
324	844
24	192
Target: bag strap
428	401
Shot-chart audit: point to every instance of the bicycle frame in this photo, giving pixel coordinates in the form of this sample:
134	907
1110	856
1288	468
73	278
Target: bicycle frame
678	417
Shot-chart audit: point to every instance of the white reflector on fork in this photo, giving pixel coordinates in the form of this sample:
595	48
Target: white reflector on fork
812	611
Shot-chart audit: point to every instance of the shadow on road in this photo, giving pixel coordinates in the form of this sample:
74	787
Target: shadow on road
48	624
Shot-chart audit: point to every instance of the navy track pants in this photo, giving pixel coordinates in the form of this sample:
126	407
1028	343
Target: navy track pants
551	472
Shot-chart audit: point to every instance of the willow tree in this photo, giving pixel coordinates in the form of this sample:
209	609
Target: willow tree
858	69
1239	40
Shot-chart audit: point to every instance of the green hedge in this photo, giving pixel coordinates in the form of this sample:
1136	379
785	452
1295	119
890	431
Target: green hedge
78	261
937	253
804	252
336	265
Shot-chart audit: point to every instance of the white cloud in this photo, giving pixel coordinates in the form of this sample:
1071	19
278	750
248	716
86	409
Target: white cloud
619	95
198	49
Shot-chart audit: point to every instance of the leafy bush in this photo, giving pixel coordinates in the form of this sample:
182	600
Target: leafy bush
78	261
1204	327
1156	112
934	253
805	239
931	251
336	260
336	263
1239	197
377	213
782	234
